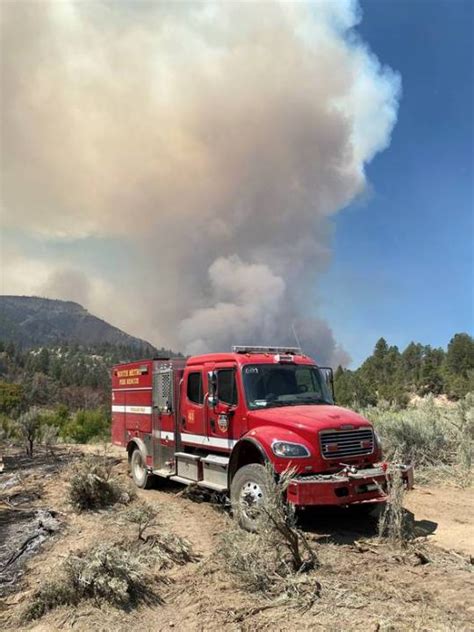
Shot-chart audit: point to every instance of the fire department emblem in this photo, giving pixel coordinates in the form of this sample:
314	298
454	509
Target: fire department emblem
223	422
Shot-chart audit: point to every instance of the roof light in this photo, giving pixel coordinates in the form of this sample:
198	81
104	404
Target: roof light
284	358
273	350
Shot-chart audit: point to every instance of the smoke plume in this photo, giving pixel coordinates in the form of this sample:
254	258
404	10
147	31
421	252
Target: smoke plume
213	141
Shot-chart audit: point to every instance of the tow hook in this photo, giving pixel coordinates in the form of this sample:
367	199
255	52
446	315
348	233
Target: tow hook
349	469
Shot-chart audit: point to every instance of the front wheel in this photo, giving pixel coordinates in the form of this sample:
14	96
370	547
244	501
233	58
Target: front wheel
248	492
140	474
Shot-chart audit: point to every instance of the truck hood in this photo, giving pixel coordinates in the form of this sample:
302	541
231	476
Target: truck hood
308	417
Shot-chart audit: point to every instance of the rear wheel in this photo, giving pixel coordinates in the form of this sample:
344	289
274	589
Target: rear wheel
140	475
248	493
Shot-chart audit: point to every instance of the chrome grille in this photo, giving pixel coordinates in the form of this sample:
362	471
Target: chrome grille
337	444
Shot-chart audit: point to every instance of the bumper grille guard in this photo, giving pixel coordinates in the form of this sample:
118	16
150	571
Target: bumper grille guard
337	444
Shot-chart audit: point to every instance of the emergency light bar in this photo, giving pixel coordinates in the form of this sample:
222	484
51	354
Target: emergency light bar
274	350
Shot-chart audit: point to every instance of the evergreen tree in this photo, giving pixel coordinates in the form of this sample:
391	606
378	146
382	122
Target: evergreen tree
459	366
351	390
411	361
460	355
431	374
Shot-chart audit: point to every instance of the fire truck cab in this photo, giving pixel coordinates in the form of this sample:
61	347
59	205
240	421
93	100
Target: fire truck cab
215	420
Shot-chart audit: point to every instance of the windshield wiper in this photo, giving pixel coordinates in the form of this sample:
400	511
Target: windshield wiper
309	399
277	403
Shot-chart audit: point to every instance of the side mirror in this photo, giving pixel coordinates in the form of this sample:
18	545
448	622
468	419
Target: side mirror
328	377
212	398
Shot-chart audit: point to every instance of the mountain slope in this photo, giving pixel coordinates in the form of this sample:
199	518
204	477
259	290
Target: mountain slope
31	321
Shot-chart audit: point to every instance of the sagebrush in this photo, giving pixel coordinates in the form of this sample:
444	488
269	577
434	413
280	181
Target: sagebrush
275	560
111	573
428	434
143	516
92	486
396	523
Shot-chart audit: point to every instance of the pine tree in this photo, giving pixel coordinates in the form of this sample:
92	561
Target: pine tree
459	366
411	361
460	355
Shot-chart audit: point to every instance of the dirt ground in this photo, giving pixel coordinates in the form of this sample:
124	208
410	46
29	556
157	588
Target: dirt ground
364	584
452	512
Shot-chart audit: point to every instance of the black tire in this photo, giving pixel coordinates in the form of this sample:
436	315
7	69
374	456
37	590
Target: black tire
248	490
140	475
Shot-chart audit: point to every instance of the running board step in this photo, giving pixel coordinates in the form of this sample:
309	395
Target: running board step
214	472
165	472
181	479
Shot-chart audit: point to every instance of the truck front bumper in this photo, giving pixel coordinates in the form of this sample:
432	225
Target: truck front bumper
345	487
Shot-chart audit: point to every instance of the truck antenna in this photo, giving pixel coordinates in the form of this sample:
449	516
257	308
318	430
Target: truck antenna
295	335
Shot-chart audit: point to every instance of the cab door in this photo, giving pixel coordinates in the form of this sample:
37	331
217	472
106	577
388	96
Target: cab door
223	415
192	413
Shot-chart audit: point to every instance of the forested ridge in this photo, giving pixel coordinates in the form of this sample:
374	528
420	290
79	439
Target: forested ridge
60	392
77	376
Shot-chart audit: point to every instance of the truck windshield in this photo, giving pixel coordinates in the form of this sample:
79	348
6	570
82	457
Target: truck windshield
268	385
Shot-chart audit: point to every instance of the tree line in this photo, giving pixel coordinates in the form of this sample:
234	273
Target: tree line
73	375
64	391
59	393
395	376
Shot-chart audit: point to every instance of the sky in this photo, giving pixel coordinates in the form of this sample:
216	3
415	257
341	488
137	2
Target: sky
403	258
206	174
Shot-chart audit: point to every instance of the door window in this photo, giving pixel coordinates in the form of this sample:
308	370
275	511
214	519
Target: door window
194	388
226	386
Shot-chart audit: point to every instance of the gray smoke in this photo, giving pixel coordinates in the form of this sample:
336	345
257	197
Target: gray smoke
215	141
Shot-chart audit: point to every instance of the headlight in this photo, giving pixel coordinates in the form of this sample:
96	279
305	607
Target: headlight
289	450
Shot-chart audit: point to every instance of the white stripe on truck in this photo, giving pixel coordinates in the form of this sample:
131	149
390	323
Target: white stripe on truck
137	410
132	388
211	442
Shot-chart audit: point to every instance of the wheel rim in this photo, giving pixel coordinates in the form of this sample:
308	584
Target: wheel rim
250	499
138	471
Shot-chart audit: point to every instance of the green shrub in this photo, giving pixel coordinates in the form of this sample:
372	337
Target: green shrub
7	428
28	429
11	397
58	418
87	425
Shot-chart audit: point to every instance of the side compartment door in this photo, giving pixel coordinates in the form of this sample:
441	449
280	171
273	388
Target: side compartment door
192	414
163	418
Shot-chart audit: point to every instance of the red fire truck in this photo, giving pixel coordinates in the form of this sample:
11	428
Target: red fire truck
215	420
